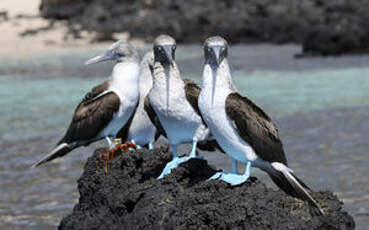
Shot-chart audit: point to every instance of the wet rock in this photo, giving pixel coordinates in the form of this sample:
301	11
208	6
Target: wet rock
130	197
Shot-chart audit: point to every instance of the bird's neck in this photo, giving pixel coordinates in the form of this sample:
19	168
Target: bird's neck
164	76
217	77
125	78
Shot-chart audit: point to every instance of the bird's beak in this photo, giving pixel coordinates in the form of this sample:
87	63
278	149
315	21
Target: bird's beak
105	56
216	51
168	54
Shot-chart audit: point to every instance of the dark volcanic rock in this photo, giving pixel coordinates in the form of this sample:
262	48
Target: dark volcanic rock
187	21
130	197
324	27
344	29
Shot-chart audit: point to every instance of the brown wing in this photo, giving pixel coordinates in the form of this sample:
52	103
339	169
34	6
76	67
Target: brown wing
192	94
255	127
92	115
154	118
97	90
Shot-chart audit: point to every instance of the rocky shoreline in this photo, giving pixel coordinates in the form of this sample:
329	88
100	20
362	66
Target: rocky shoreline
322	27
130	197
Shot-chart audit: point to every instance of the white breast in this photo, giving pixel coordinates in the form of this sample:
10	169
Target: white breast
175	113
212	107
124	83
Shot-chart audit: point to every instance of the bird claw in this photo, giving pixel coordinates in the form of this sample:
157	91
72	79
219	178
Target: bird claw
110	154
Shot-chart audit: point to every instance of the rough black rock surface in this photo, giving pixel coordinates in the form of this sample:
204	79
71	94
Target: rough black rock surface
343	30
327	27
130	197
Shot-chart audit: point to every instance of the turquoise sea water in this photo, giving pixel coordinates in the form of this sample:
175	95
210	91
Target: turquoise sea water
39	106
321	106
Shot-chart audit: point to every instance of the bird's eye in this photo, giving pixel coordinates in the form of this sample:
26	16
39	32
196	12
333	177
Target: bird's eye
159	48
173	47
209	49
223	48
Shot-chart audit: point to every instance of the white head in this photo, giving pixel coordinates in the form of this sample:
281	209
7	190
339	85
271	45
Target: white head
216	75
120	51
164	50
215	51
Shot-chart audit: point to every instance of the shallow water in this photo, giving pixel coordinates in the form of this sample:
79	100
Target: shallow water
320	105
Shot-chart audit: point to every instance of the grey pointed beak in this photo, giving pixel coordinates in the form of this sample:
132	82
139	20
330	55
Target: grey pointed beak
216	51
168	54
105	56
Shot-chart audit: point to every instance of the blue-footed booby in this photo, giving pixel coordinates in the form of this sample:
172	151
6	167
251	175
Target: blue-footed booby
142	131
173	103
108	107
243	130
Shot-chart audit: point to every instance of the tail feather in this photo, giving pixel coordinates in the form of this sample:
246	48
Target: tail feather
291	184
61	150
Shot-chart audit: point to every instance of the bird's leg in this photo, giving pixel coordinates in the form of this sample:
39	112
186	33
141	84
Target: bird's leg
234	166
174	151
233	178
193	151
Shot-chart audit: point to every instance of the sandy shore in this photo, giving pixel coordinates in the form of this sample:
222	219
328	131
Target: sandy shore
25	33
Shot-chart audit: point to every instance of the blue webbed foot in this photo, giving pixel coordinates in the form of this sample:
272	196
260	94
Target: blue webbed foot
150	146
172	165
233	178
178	160
230	178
